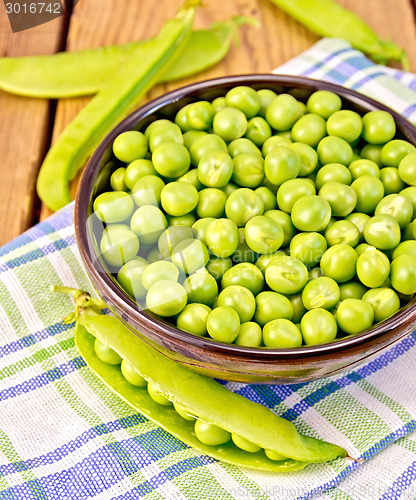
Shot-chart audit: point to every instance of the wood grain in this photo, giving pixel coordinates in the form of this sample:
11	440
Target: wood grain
105	22
23	130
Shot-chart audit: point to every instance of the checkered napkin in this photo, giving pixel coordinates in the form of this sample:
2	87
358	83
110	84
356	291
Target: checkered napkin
64	435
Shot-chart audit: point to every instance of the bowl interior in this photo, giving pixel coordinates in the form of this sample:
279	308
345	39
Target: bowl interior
96	180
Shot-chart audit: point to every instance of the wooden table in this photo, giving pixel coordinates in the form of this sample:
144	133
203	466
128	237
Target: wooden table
29	126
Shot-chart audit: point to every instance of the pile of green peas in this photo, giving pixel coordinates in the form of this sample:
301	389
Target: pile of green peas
260	220
207	432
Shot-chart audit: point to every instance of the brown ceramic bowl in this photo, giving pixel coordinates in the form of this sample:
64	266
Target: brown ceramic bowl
230	362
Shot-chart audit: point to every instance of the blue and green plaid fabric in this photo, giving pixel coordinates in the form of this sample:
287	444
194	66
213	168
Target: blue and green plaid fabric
64	435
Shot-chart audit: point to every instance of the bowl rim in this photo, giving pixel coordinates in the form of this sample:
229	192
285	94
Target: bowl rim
405	317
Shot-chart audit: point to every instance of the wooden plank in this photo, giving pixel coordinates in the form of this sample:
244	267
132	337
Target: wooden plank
262	49
23	129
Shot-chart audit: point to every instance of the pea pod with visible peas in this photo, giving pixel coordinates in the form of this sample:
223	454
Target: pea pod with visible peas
329	18
113	102
70	74
175	396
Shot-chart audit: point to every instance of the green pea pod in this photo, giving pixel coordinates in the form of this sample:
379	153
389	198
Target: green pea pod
329	18
70	74
123	90
196	393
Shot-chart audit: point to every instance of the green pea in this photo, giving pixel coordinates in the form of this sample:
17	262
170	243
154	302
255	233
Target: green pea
361	167
372	152
113	206
351	290
160	270
215	169
201	287
190	255
393	152
270	306
243	253
321	293
266	97
246	275
240	299
318	326
382	231
373	268
273	455
222	237
117	180
229	188
410	194
281	164
243	205
339	262
284	220
283	112
333	172
403	274
211	203
130	277
148	222
341	198
136	170
131	375
308	247
130	146
179	198
165	133
147	190
407	169
398	207
308	158
359	220
315	273
298	307
166	298
200	227
156	394
391	180
106	354
181	220
245	99
250	335
181	119
345	124
184	412
370	192
218	266
273	142
286	274
324	103
342	232
193	319
354	316
281	334
384	301
192	177
244	444
171	237
334	149
118	245
242	145
311	213
210	434
204	144
199	115
229	124
264	260
309	129
267	196
379	127
171	159
154	125
154	255
248	170
291	191
405	248
219	103
258	130
191	136
223	324
263	234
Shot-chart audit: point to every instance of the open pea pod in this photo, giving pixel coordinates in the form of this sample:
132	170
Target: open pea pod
196	393
70	74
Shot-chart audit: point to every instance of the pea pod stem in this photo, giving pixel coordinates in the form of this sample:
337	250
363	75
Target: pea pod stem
329	18
112	103
70	74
